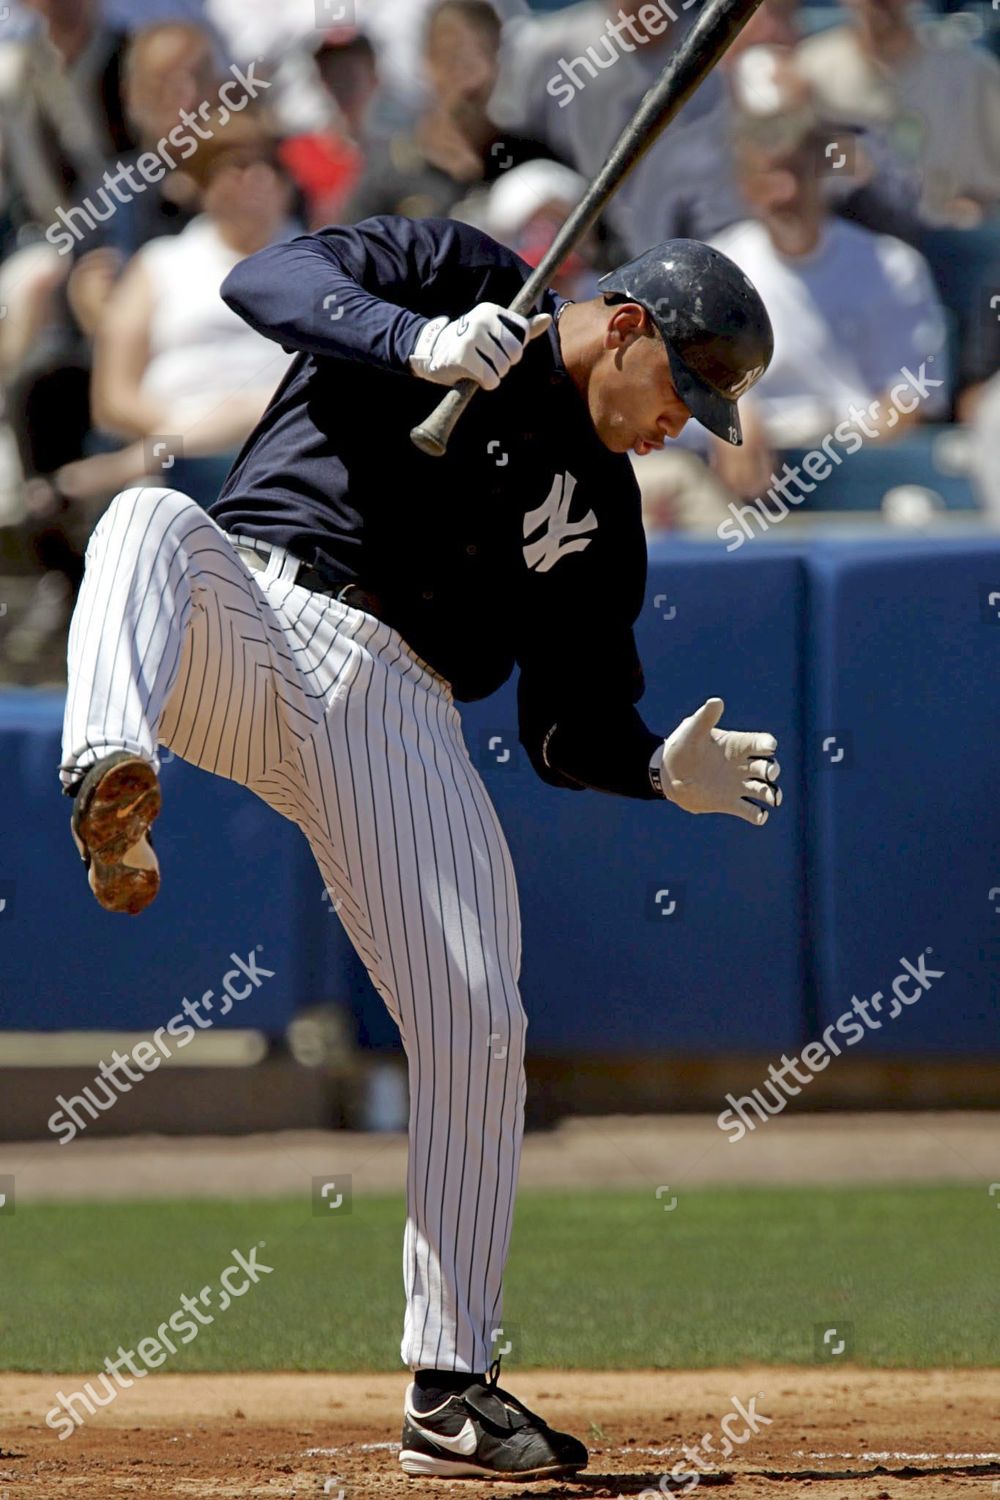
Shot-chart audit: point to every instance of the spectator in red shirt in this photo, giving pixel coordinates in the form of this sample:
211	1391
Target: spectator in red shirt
326	166
455	144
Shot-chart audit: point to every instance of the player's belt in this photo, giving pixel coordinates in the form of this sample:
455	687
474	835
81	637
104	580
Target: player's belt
308	577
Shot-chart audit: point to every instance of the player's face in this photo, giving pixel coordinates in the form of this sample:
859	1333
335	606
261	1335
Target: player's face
634	404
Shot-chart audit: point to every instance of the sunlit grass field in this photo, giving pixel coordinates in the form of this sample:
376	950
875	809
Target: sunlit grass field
907	1277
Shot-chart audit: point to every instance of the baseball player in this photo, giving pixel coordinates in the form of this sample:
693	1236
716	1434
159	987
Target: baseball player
310	636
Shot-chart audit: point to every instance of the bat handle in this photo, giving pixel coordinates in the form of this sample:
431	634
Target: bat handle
432	436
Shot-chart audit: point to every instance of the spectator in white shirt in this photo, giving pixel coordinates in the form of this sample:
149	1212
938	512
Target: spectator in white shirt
851	310
170	357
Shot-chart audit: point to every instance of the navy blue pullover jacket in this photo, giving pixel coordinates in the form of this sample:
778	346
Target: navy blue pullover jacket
523	545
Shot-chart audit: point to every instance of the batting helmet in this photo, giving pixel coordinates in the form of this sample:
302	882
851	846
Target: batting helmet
716	328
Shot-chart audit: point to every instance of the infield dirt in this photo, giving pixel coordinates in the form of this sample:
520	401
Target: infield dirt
837	1434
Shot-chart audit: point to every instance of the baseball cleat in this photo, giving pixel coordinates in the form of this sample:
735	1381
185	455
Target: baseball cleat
114	805
484	1432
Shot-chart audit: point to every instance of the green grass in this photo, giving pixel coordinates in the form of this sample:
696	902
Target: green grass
602	1280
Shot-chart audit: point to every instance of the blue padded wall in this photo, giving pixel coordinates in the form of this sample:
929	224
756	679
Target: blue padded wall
888	841
903	651
233	872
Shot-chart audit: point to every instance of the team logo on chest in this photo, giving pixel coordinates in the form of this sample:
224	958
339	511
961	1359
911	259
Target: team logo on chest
561	535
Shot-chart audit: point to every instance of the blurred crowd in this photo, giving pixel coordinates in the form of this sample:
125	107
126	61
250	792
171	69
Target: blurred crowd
847	158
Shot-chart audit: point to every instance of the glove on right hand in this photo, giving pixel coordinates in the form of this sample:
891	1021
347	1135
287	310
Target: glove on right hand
482	345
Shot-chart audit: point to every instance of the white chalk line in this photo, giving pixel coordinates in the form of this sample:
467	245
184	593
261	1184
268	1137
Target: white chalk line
352	1448
866	1456
882	1457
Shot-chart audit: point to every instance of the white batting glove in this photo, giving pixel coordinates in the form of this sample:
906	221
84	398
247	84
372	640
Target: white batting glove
481	345
709	770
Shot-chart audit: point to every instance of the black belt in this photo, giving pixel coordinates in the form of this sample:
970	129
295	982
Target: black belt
355	597
308	577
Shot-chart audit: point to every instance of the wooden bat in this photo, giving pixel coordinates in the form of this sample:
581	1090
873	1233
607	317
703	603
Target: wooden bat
718	24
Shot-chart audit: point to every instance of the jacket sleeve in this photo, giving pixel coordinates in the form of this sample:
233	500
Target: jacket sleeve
362	292
581	728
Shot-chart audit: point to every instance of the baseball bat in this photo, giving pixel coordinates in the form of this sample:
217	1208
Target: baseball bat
719	23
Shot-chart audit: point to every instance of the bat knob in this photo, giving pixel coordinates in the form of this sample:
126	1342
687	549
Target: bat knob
427	441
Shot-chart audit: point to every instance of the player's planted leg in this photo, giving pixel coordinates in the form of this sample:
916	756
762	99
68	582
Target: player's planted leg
404	832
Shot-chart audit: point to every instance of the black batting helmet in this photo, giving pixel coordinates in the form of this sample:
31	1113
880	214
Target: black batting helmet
711	318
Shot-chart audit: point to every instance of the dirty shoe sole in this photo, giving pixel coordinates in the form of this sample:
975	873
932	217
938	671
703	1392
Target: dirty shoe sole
117	801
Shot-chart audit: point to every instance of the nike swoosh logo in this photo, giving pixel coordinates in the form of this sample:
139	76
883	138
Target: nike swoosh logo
464	1442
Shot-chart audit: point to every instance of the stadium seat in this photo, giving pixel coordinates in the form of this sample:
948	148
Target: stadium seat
965	264
862	481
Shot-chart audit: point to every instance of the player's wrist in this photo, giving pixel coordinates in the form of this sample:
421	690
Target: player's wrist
663	777
657	776
423	348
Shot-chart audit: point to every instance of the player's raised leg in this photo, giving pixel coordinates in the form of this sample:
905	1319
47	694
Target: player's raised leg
169	627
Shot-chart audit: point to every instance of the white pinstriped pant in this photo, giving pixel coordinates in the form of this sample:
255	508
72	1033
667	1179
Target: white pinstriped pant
327	715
